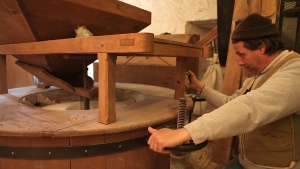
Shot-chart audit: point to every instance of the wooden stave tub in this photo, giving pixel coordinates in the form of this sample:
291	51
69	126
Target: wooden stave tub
85	131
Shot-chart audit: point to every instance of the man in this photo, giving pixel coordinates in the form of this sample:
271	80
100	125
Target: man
264	112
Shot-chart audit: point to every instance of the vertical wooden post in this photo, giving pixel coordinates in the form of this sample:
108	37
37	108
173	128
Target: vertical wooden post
107	85
180	77
3	75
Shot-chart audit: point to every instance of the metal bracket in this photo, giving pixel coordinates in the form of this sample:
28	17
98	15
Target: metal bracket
47	153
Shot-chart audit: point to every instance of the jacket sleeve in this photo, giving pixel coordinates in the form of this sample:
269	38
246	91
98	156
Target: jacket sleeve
278	97
218	99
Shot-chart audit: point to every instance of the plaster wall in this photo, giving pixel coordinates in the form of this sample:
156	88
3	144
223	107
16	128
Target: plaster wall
172	15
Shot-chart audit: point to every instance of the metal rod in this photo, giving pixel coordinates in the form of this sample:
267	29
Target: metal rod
86	101
181	113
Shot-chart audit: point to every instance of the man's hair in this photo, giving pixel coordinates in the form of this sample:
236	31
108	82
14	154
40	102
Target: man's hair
273	44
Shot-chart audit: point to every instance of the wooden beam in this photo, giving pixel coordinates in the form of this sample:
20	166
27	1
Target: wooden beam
138	43
3	75
167	48
46	77
121	43
16	76
118	8
180	77
210	36
186	38
107	73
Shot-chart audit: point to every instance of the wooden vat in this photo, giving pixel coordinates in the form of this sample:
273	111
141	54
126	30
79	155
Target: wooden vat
33	138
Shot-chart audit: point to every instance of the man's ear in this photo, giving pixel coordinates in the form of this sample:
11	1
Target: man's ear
262	48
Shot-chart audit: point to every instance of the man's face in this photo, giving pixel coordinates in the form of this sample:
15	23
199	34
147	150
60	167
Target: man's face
253	61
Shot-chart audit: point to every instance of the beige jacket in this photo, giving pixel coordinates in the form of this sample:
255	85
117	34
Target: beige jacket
277	98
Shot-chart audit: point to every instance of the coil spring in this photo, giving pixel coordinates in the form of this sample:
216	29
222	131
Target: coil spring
181	113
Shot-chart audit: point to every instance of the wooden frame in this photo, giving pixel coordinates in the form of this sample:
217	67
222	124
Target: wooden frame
107	48
3	75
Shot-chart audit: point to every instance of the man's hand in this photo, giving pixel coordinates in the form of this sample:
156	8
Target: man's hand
194	82
167	138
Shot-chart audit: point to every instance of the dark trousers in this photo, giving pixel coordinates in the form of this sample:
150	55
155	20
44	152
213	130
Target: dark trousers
232	164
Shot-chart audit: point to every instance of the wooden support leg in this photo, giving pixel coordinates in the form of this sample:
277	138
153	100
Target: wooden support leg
3	75
180	77
107	85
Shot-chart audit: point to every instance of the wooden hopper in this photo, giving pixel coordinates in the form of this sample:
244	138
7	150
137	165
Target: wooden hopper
40	20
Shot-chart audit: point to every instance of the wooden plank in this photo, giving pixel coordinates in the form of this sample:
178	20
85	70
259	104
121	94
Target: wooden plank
97	162
34	164
208	51
147	60
180	77
174	42
12	20
88	162
210	36
185	38
107	70
169	48
119	8
193	62
254	7
34	142
139	43
3	75
147	74
16	76
122	160
270	9
133	158
122	43
46	77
